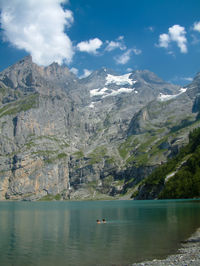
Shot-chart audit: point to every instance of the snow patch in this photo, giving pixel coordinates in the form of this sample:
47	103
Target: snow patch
164	97
92	105
121	90
98	92
127	90
120	80
182	90
124	82
105	92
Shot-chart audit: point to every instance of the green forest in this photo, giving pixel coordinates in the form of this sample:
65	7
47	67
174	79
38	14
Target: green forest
185	173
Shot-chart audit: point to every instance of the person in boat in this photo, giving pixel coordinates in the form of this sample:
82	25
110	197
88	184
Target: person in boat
104	221
98	221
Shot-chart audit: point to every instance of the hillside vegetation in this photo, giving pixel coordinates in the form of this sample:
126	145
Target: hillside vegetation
179	177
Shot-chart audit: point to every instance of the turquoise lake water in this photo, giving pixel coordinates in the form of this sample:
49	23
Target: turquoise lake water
66	233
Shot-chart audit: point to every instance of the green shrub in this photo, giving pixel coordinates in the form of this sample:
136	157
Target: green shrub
50	197
79	154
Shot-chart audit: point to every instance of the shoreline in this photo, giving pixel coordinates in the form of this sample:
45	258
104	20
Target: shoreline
188	254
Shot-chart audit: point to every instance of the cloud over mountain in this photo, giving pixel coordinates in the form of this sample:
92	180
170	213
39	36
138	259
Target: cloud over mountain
176	34
38	28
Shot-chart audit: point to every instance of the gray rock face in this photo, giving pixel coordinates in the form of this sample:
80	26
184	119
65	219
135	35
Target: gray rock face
62	137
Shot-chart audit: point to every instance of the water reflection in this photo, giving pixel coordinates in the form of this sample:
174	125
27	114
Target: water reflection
66	233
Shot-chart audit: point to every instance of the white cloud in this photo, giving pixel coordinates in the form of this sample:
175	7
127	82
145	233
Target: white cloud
69	18
118	44
197	26
38	27
120	38
195	39
188	79
86	73
172	53
151	28
124	58
90	46
176	34
74	70
164	40
112	45
137	51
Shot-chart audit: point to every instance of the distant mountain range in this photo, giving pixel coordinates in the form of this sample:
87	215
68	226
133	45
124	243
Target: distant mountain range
92	138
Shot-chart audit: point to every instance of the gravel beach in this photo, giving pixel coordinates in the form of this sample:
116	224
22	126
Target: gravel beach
188	255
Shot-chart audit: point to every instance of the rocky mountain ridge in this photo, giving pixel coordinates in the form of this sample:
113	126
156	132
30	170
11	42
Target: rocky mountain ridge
97	137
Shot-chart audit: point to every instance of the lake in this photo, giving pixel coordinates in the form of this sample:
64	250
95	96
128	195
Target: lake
66	233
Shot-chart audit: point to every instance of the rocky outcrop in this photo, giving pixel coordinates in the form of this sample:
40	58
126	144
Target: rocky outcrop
62	137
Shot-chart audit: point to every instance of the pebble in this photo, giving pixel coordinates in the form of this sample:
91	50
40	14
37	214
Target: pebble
188	255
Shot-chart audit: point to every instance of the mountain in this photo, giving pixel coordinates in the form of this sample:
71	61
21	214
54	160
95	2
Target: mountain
97	137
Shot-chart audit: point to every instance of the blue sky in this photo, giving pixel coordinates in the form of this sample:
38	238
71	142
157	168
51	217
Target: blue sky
159	35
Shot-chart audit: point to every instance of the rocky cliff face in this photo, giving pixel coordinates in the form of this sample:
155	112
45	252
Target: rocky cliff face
62	137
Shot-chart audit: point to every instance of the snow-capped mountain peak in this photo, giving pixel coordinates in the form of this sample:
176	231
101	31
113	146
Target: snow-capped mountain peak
113	85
